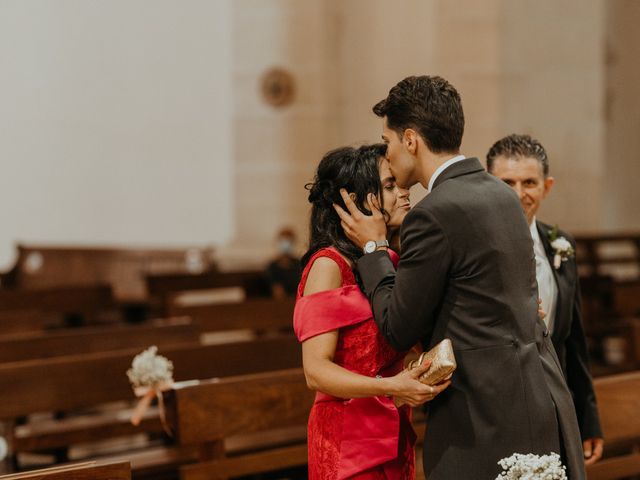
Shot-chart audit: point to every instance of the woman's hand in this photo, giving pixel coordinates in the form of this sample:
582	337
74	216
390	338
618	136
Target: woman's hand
407	389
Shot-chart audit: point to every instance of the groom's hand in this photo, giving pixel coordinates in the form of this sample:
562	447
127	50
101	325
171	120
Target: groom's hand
361	228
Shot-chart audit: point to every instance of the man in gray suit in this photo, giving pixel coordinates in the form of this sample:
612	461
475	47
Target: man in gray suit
522	163
466	273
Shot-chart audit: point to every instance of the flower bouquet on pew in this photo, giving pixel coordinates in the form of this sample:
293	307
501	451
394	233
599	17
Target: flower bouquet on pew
532	467
150	375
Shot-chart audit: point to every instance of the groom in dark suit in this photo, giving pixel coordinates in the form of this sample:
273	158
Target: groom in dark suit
522	163
467	273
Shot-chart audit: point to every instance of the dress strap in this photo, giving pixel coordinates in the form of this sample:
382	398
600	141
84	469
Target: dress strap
348	278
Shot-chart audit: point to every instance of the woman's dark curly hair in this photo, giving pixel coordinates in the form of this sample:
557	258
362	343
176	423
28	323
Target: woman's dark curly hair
357	171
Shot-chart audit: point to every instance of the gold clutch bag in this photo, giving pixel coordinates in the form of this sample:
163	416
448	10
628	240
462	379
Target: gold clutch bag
443	363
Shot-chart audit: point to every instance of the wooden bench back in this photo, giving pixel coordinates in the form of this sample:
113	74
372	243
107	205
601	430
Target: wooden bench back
86	340
619	406
615	254
45	266
254	314
253	282
261	417
81	471
66	383
28	320
64	300
211	410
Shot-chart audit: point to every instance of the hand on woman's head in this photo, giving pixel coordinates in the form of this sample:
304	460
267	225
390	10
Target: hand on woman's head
356	170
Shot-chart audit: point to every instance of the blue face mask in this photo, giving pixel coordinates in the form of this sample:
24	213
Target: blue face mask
285	246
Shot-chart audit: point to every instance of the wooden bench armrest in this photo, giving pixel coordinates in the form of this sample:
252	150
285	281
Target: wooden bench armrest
79	471
616	467
156	459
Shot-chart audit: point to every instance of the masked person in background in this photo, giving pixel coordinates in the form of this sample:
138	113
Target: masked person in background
283	273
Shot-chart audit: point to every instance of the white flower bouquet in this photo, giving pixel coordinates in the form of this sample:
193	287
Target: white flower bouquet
532	467
149	369
150	375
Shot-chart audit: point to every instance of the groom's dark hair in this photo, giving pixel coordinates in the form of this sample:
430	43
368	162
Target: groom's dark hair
429	105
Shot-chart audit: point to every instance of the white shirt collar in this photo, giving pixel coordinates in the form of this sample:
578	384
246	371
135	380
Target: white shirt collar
442	168
538	246
534	230
547	287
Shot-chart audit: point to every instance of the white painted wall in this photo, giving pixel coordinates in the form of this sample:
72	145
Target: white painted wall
140	122
622	114
553	88
115	122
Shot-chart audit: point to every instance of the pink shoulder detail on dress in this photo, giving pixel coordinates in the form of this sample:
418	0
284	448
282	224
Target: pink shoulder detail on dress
330	310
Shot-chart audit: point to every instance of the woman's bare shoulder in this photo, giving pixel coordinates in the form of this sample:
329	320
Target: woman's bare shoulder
323	275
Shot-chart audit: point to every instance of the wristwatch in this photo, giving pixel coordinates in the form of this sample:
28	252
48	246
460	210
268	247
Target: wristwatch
372	245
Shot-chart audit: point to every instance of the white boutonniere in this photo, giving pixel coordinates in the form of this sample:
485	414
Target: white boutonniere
532	467
562	249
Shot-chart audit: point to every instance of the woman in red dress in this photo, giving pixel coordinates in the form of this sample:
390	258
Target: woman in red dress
360	425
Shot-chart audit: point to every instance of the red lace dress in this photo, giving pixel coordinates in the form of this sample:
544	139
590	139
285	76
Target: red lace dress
361	438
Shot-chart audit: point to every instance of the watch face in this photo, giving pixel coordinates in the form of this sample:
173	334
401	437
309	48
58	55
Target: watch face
370	246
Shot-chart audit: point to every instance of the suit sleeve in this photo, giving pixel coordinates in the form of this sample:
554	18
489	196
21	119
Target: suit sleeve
405	302
578	376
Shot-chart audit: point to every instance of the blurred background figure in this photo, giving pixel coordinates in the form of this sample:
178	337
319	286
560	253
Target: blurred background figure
283	272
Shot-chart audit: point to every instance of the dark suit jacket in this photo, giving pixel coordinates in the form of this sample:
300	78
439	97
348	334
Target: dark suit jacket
467	272
568	337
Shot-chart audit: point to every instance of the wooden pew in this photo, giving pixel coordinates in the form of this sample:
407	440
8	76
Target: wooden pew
619	406
609	267
79	471
28	320
626	298
163	286
124	269
40	309
256	314
634	326
59	306
162	332
70	299
608	254
265	413
82	381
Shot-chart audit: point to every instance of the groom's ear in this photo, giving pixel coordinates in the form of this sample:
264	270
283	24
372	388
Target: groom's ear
410	140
